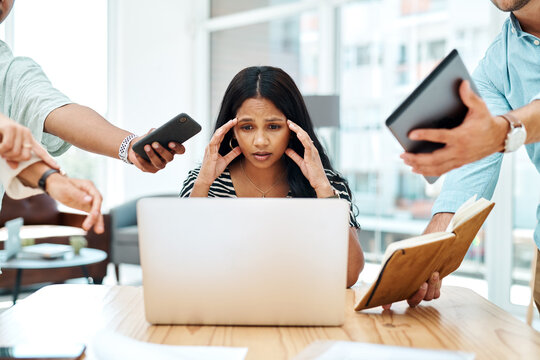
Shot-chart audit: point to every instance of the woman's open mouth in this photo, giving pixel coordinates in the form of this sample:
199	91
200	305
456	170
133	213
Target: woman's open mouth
262	156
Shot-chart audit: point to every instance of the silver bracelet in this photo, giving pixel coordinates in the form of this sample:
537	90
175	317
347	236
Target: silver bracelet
124	147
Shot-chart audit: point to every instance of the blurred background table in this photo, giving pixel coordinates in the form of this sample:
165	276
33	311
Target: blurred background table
86	257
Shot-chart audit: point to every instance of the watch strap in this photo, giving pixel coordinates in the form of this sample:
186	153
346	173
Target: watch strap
514	123
512	120
42	182
124	147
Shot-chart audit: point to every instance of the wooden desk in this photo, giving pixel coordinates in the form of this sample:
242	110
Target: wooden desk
460	320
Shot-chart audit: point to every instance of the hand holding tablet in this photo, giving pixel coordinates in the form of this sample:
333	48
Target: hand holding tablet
434	104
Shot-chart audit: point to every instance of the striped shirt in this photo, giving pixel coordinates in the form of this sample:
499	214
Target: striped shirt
223	188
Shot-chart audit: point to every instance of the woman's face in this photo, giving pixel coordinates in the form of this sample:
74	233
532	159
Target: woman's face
262	132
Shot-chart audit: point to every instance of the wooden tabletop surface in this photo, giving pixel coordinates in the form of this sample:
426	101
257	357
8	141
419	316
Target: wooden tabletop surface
459	320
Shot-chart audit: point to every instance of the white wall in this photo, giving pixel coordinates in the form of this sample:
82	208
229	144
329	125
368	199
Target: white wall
151	67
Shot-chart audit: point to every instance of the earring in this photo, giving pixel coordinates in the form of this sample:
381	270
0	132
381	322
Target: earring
230	143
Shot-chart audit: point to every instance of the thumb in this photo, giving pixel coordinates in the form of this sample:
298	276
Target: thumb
468	96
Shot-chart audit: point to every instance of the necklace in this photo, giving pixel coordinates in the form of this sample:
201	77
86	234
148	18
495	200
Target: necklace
263	192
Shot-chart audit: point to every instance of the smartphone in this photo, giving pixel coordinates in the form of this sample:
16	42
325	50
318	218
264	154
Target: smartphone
179	129
43	351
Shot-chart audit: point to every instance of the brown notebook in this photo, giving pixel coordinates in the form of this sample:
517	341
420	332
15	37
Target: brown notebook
407	264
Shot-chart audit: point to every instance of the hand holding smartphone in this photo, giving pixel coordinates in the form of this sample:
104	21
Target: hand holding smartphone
179	129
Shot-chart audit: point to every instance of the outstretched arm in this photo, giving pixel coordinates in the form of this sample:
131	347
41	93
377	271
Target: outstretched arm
529	116
86	129
481	134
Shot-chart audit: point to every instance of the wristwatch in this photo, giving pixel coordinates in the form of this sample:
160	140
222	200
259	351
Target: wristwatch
124	147
516	135
42	182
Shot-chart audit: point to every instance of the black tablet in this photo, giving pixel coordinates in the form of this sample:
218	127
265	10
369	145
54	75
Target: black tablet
435	103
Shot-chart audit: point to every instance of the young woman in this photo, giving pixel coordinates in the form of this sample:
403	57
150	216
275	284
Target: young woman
269	149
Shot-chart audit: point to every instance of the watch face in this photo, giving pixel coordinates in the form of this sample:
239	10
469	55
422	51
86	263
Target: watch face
515	139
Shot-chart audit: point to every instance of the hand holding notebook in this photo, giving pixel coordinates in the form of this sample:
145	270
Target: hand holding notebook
407	264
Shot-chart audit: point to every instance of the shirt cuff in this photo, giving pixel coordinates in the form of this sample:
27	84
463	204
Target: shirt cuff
15	189
537	97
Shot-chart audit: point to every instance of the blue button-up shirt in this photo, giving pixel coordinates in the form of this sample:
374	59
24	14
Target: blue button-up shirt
508	77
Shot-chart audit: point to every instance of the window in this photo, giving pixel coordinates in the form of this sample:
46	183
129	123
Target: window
362	55
227	7
526	198
290	43
393	202
72	50
414	7
436	50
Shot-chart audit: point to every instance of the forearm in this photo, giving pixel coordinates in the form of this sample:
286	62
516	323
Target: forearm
439	222
530	117
356	258
324	191
199	189
86	129
31	175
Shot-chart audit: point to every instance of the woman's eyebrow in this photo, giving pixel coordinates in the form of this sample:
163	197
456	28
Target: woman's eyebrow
272	119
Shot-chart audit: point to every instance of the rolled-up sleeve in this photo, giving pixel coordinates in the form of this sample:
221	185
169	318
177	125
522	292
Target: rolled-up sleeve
13	186
493	97
33	98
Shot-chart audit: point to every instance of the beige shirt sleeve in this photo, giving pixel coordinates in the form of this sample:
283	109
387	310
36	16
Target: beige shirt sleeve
13	186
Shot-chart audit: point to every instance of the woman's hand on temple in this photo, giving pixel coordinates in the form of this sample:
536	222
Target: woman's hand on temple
214	163
310	165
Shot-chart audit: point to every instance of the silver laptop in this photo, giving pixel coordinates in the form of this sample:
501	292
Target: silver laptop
244	261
